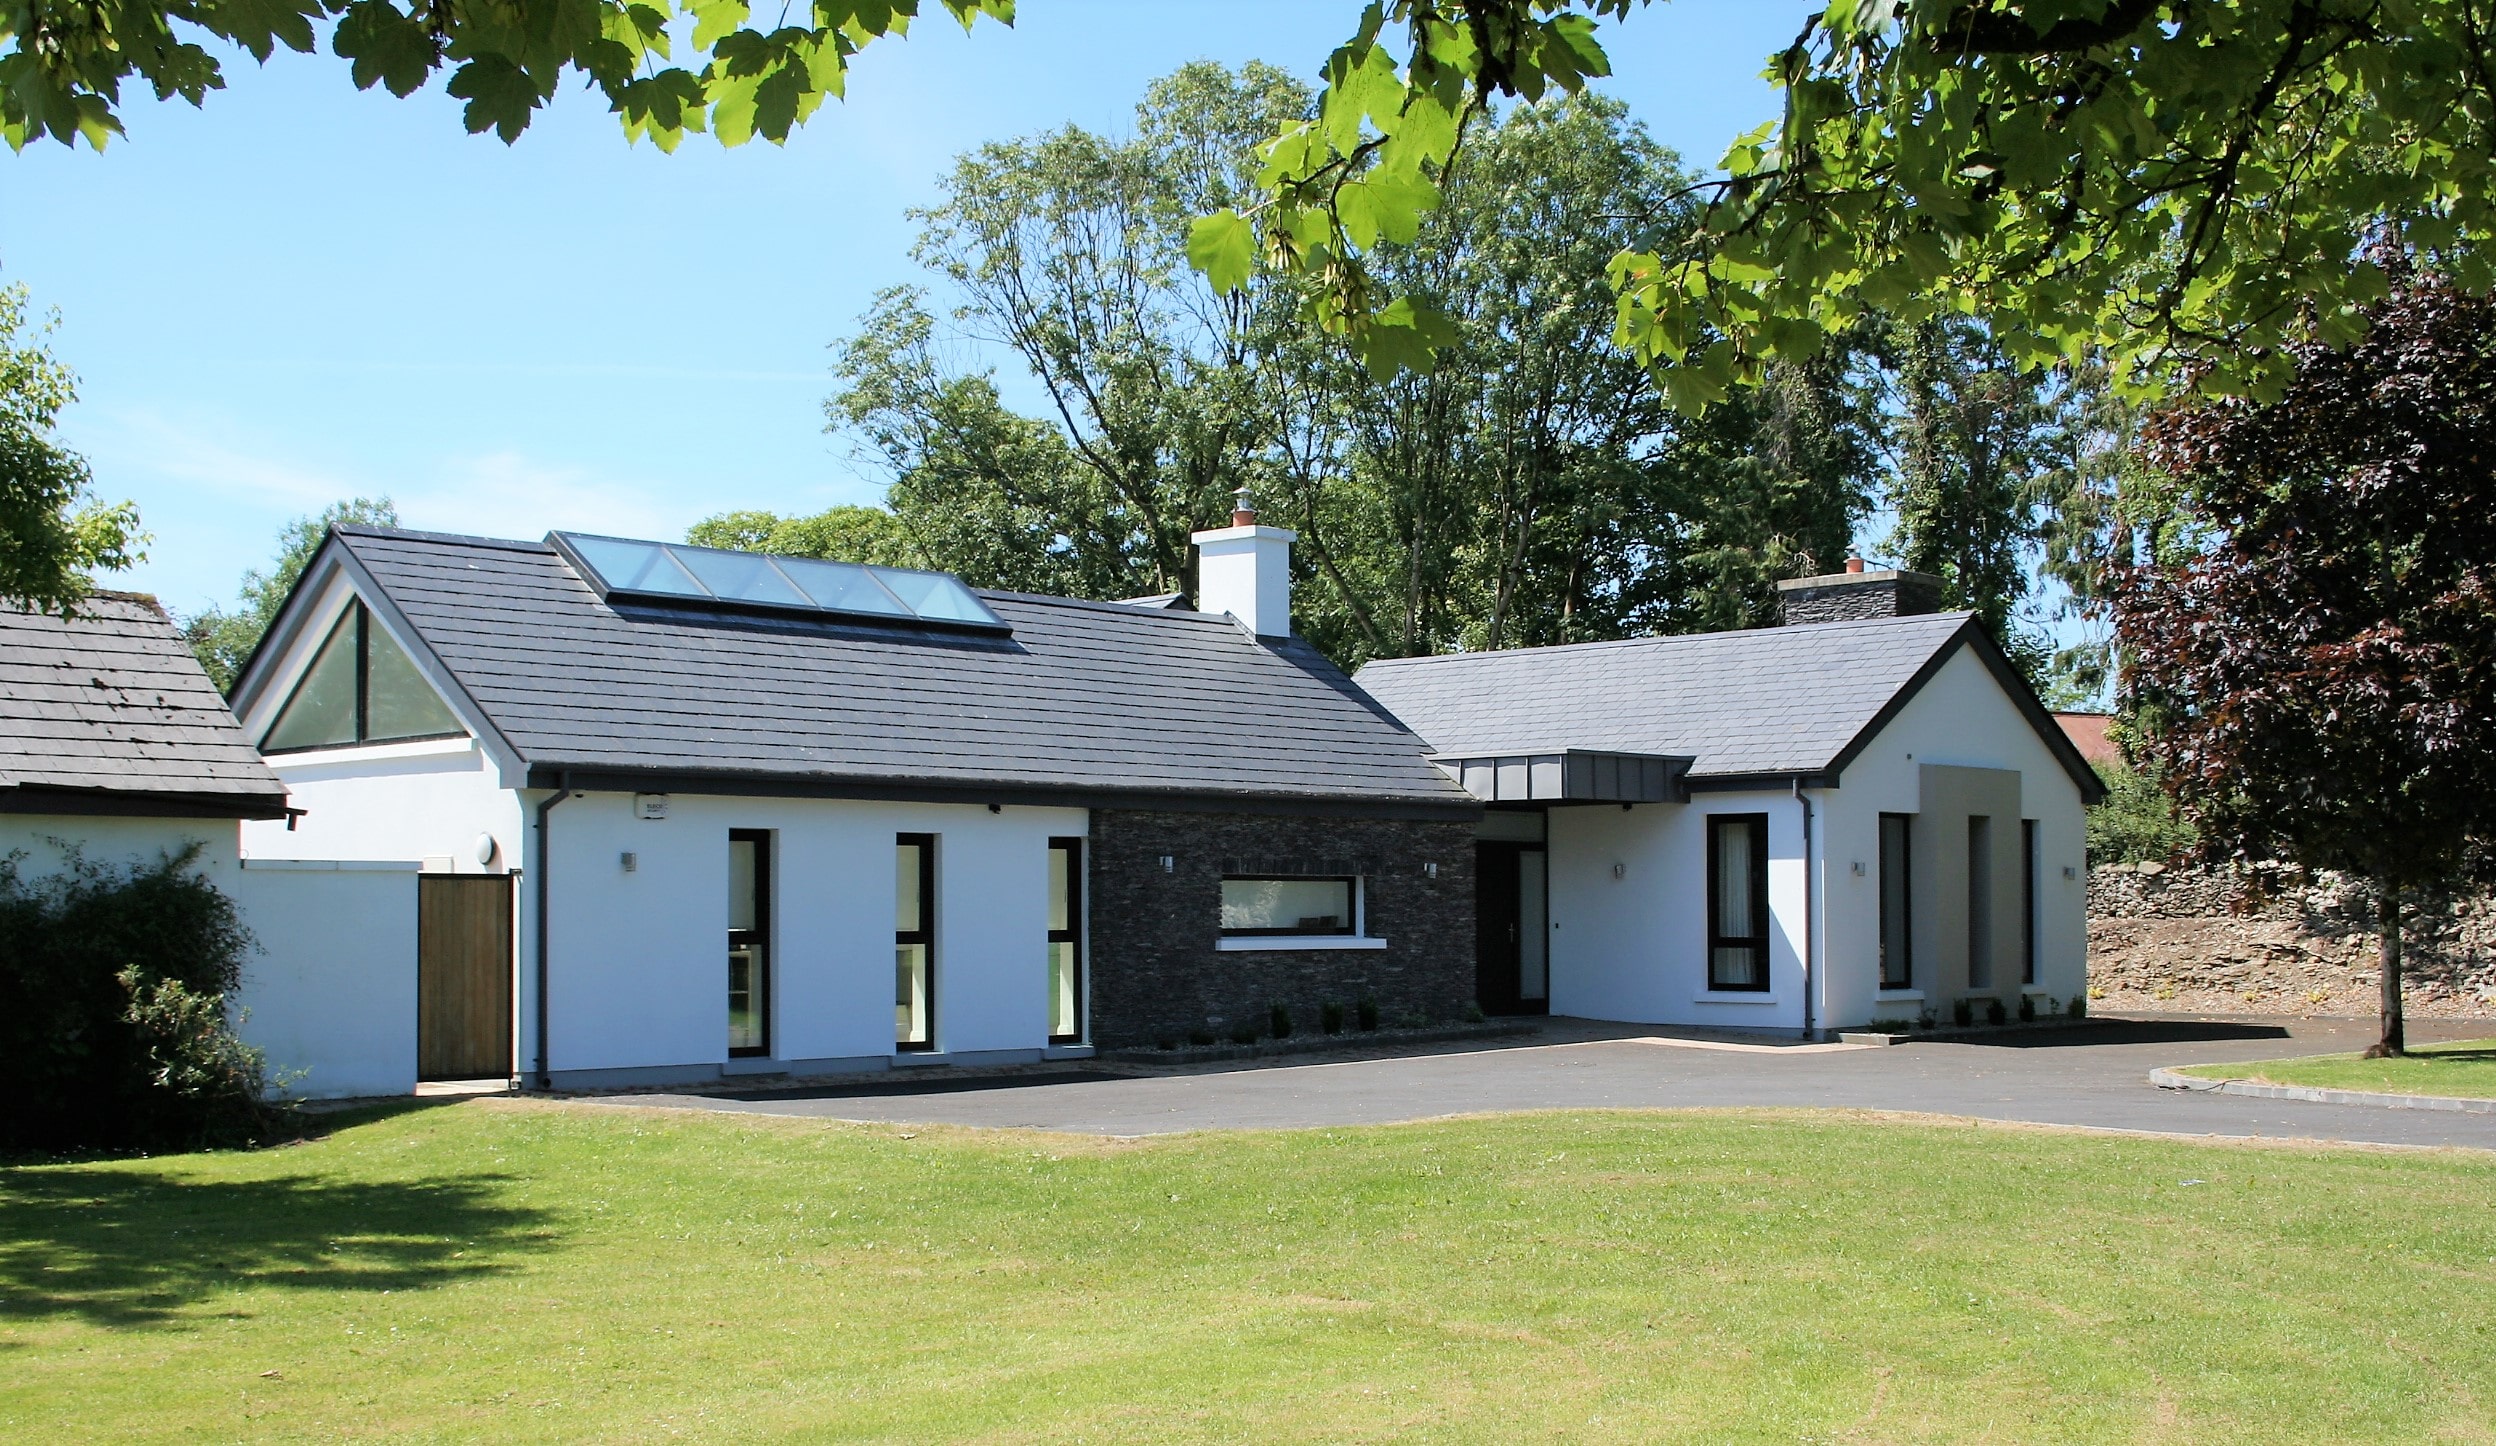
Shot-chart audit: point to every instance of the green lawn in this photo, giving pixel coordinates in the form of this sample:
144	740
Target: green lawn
2464	1068
513	1270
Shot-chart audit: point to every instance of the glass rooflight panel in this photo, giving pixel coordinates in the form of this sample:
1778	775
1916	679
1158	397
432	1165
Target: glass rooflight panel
938	596
842	587
626	566
746	577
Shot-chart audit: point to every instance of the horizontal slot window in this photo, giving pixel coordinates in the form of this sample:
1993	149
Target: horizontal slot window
1253	908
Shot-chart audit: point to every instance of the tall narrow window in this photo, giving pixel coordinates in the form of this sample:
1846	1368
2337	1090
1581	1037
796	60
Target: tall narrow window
914	941
1737	901
749	942
1897	902
360	688
1065	940
2028	900
1979	902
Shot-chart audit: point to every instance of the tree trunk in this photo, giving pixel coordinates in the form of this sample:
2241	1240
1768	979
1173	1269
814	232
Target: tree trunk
2388	912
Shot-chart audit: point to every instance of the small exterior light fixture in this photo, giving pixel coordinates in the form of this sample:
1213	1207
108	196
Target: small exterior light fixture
630	861
2069	872
1430	870
1620	871
1858	868
1168	864
486	850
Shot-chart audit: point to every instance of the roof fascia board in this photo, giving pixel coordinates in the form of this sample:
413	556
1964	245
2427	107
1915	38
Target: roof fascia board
1972	634
278	640
598	780
135	803
1761	782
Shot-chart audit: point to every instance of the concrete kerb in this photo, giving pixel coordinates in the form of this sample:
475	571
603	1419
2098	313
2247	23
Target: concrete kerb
2167	1079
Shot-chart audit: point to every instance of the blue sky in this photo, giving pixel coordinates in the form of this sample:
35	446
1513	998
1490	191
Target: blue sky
301	292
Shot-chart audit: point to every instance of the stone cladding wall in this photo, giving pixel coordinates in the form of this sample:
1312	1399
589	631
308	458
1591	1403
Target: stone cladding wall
1156	976
2199	940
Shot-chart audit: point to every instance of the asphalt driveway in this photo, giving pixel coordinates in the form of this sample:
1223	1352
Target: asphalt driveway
2093	1076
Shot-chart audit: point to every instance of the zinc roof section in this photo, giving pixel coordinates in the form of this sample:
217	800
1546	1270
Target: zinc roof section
1764	700
110	702
1082	696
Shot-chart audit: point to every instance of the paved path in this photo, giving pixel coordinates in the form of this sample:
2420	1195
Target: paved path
2096	1076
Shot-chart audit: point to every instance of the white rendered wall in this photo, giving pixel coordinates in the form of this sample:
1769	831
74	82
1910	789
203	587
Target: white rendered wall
393	801
35	838
1634	948
330	996
1962	718
639	958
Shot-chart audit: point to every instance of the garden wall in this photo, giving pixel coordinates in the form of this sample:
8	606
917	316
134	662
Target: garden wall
2198	940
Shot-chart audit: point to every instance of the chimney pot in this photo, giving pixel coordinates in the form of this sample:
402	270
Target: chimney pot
1243	509
1854	564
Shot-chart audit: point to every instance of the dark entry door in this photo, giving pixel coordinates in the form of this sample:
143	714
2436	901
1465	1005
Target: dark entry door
1509	973
463	976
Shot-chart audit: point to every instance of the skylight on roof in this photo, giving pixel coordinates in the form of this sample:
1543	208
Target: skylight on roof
716	577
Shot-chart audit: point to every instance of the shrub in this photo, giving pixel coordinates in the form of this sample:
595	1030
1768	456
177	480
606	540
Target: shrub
1473	1014
114	1034
1963	1012
1280	1018
1995	1013
1243	1033
1367	1012
2137	823
1330	1017
2078	1008
2027	1007
1201	1036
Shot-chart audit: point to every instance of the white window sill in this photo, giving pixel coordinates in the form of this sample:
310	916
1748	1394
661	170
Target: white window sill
1900	996
1275	943
370	752
1738	996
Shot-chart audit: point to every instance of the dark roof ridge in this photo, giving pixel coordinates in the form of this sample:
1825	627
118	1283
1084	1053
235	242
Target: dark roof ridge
1656	639
465	539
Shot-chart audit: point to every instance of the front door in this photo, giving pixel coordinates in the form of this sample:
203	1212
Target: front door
1511	975
463	976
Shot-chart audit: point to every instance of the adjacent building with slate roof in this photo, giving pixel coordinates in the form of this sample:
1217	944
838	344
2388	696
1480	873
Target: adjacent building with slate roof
783	816
1815	826
106	713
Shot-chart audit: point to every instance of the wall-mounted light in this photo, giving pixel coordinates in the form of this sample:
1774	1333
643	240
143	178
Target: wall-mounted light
1620	871
486	849
630	861
2069	872
1858	868
1430	870
1168	864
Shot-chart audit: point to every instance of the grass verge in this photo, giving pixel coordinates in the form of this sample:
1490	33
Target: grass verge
2464	1069
522	1271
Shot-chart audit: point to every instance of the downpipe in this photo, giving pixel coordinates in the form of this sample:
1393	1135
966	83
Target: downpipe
545	866
1809	1019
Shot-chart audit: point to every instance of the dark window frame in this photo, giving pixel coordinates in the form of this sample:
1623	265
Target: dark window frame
1757	943
759	935
1352	906
1073	932
1980	923
2028	900
362	618
925	934
1905	978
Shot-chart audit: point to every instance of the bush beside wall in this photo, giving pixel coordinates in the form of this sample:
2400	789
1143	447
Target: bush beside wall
113	1025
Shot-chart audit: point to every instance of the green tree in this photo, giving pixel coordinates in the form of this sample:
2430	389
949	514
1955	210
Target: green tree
223	641
2316	682
52	530
850	534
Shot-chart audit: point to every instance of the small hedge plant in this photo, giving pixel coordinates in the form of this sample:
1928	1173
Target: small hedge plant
114	1034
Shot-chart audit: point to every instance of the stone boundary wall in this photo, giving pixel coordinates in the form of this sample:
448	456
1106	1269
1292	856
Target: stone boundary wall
2192	939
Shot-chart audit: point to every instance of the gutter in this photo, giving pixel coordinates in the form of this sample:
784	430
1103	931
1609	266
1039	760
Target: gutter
1808	931
544	867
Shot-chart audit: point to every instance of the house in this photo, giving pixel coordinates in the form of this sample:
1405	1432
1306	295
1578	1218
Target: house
1864	815
2090	733
116	749
686	814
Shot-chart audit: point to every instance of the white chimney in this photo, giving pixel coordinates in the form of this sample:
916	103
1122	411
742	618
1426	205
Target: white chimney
1245	570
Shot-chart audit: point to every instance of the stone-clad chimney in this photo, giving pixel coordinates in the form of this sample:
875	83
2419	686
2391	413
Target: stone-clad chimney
1245	570
1846	596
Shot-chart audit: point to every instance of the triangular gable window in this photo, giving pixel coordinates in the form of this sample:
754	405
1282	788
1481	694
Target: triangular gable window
361	688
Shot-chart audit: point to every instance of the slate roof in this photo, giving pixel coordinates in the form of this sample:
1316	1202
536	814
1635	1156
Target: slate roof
109	711
1085	697
1772	701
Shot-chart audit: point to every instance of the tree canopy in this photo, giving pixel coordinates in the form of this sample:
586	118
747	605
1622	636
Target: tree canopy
53	532
2315	678
223	641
